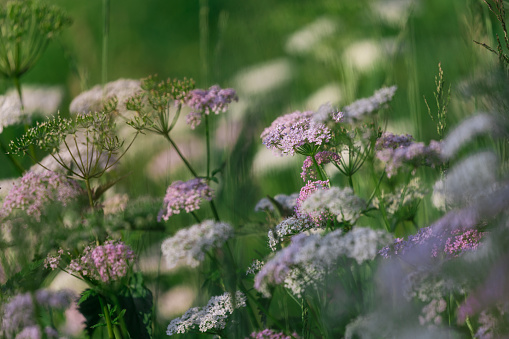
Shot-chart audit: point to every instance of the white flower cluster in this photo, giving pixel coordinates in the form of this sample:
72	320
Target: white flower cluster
299	279
288	203
316	252
359	109
289	226
44	100
188	246
255	267
402	197
93	99
342	203
213	316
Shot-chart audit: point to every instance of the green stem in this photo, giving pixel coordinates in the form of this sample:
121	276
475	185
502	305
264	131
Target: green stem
207	137
106	32
214	210
15	162
189	167
350	182
196	217
89	191
204	38
124	332
318	169
107	318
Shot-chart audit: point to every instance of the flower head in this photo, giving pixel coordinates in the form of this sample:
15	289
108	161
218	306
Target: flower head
213	100
185	196
289	132
213	316
35	190
322	158
188	246
359	109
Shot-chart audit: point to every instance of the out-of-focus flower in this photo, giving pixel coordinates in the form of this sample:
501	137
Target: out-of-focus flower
94	99
291	131
34	191
185	196
287	202
263	78
211	317
116	203
341	204
271	334
407	196
306	190
431	313
362	108
189	245
213	100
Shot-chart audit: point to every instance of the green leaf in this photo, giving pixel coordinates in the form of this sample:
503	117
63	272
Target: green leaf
136	301
90	307
28	279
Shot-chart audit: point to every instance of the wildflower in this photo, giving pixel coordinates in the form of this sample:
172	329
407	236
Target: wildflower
289	132
94	99
326	113
188	246
20	314
185	196
306	190
108	263
343	204
314	252
35	190
255	267
213	100
404	197
306	38
398	150
271	334
322	158
289	226
466	131
359	109
211	317
287	202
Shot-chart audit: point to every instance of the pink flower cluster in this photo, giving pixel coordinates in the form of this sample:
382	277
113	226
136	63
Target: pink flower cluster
290	131
107	263
213	100
185	196
271	334
451	243
306	190
35	190
396	150
322	158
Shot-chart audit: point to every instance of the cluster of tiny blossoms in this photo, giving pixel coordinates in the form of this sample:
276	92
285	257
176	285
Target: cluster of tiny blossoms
211	317
404	196
322	158
213	100
20	314
359	109
306	190
289	226
313	250
450	243
271	334
188	246
107	263
398	150
287	203
185	196
290	131
34	190
340	203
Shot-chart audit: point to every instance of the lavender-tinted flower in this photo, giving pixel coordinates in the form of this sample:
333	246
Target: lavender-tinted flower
488	326
213	100
334	202
188	246
466	241
466	131
94	99
185	196
287	202
359	109
52	261
325	113
35	190
430	314
19	315
290	226
406	152
211	317
193	119
306	190
271	334
108	263
393	141
293	130
308	167
318	252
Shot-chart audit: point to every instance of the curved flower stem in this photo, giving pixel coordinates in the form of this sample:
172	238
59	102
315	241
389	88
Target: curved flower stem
207	137
189	167
214	210
318	169
195	217
107	318
106	32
